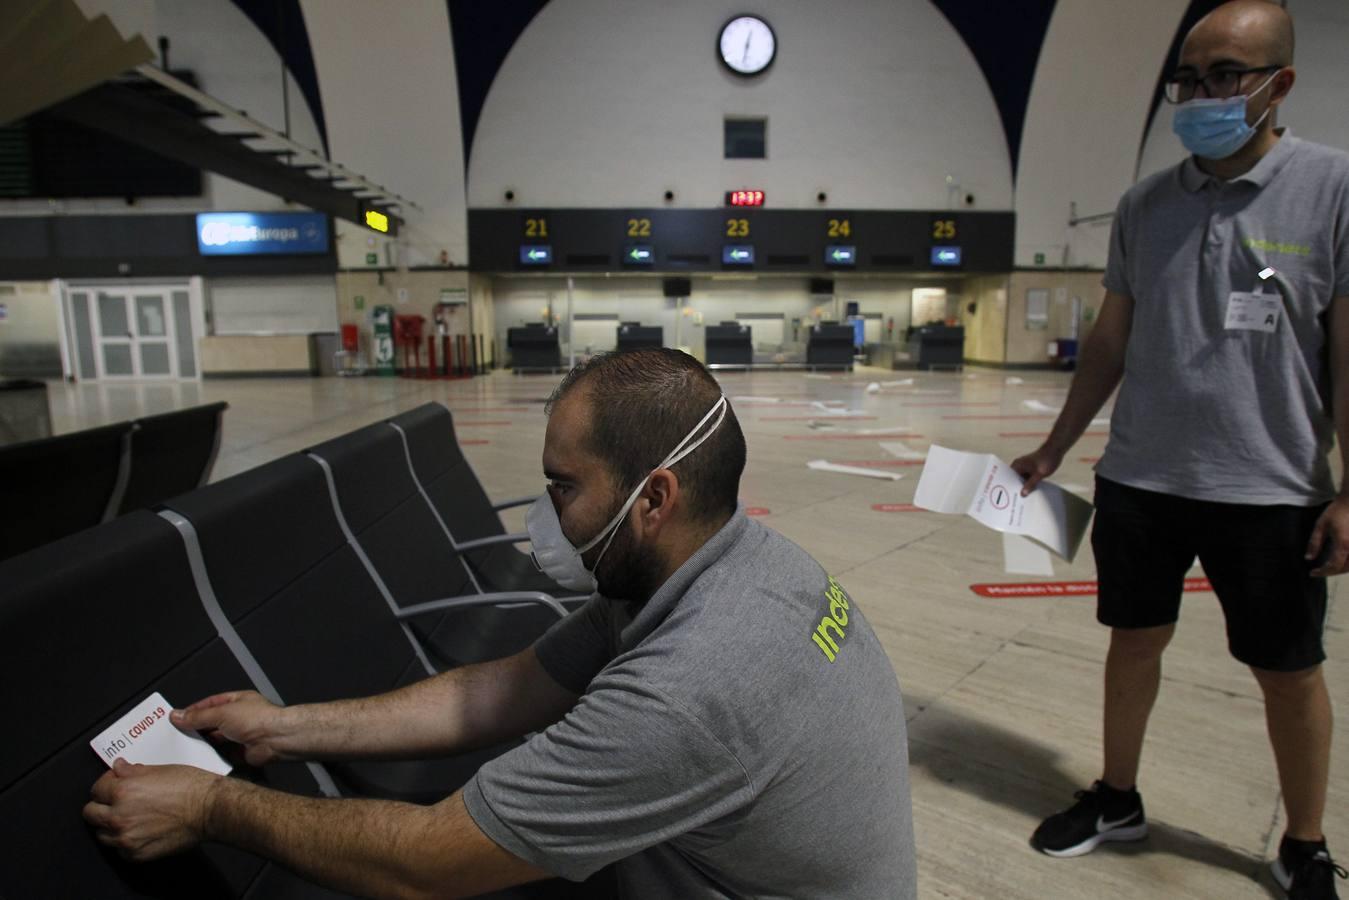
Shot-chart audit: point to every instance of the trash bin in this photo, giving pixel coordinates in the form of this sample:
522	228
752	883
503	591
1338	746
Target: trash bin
24	413
323	347
1063	353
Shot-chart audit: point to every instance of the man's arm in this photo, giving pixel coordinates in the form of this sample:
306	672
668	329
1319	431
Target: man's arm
1098	374
469	707
1333	526
373	848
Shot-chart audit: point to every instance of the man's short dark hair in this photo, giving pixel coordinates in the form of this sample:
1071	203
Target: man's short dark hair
642	404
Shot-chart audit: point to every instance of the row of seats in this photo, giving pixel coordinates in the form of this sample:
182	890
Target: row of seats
366	563
60	485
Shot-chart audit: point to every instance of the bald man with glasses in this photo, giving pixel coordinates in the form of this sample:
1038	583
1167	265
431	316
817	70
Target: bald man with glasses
1226	327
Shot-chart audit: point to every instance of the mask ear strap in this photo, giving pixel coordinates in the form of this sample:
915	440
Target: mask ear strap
679	453
682	451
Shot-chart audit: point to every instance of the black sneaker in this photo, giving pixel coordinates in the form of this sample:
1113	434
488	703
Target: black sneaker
1100	814
1305	870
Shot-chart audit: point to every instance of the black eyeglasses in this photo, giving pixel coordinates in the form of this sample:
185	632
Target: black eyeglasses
1219	84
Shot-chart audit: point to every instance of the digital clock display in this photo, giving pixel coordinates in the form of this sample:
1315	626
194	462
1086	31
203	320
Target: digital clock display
744	198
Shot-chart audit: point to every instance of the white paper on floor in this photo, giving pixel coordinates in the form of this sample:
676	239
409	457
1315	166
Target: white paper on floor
986	489
1100	422
831	410
823	465
1040	406
1022	556
745	398
901	450
874	387
834	427
903	382
1015	380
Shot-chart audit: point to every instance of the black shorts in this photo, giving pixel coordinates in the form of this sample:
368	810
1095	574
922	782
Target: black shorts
1145	543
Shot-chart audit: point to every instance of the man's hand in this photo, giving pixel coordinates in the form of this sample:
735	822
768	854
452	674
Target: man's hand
1329	543
245	717
1036	466
146	812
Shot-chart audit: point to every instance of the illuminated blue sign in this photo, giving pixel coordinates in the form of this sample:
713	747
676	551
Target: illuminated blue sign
737	254
840	255
253	234
536	254
639	255
945	256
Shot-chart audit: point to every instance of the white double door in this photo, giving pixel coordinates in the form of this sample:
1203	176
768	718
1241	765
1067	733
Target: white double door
133	333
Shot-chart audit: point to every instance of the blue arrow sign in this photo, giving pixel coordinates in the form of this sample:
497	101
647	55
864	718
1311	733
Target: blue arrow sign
737	254
639	255
536	254
840	255
945	256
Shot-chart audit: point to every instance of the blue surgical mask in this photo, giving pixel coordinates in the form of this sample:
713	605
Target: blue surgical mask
1216	129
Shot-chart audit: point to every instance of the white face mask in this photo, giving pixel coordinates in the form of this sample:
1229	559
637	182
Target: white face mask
558	558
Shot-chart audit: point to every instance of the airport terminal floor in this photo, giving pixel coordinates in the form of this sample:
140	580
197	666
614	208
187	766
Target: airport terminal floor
1002	692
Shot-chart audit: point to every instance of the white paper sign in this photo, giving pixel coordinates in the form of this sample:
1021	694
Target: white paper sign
986	489
1022	556
146	736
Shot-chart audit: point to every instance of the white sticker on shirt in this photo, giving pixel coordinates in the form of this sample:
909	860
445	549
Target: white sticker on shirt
1253	312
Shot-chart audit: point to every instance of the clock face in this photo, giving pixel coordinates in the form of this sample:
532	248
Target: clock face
747	45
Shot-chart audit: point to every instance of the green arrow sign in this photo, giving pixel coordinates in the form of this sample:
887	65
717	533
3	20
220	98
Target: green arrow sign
739	254
538	254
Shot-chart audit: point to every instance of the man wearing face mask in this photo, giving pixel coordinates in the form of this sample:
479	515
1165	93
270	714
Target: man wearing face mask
1226	317
718	720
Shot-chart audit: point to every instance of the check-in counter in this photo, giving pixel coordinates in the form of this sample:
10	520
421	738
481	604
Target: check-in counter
534	347
729	344
636	336
255	354
937	346
830	347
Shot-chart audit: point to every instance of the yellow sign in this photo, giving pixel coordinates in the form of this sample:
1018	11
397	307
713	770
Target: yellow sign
377	220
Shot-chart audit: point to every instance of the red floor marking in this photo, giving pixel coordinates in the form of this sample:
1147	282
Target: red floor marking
850	437
955	403
1062	588
815	418
473	443
462	424
882	463
1035	416
897	507
1031	434
757	511
1091	459
751	404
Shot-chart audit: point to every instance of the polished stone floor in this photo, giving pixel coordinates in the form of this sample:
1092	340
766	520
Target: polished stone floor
1003	694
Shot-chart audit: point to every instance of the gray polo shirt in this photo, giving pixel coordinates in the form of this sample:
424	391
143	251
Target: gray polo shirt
1207	412
741	735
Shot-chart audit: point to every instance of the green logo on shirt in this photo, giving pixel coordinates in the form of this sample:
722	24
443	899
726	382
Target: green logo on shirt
1277	247
836	620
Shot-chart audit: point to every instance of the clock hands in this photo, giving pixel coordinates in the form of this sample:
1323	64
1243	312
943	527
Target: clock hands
744	60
